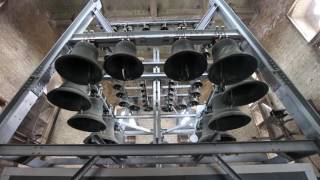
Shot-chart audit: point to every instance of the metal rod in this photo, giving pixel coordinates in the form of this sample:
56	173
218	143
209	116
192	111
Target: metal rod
206	19
181	86
103	21
22	102
54	161
151	76
85	168
179	126
156	37
177	131
227	168
152	116
136	127
306	146
306	116
155	22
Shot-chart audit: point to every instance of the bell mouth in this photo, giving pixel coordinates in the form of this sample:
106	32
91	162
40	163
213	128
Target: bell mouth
232	69
69	99
166	109
227	138
185	66
223	138
87	122
134	108
228	120
124	104
110	141
78	69
245	93
181	107
120	94
148	109
123	67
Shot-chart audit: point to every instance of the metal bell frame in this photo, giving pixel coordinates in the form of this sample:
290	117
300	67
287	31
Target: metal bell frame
306	117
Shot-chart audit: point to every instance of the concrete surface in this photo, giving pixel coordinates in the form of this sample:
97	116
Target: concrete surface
25	37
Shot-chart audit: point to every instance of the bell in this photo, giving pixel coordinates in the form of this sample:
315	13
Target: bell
91	139
197	84
195	92
182	104
167	108
134	107
208	135
123	63
231	64
119	136
117	87
171	94
148	108
124	103
164	27
205	133
193	101
120	94
91	119
224	117
185	63
245	92
146	27
108	135
70	96
80	66
225	137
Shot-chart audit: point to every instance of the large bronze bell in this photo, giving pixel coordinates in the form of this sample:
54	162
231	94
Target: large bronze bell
70	96
245	92
123	63
120	137
224	117
108	135
208	135
185	63
91	119
231	64
80	66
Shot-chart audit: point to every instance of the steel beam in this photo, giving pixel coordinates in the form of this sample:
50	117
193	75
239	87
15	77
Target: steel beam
305	115
156	37
152	116
160	149
177	131
155	22
227	168
151	76
103	21
85	168
206	19
56	161
22	102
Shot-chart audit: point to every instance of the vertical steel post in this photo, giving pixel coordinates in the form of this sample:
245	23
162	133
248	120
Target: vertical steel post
156	100
304	114
19	106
